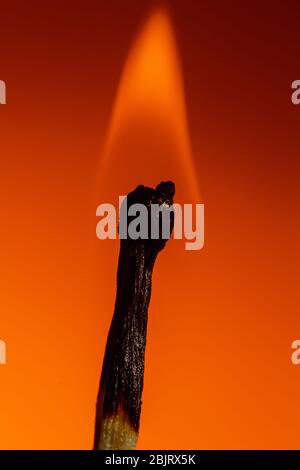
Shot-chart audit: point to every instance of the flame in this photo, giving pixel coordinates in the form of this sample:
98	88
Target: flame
148	139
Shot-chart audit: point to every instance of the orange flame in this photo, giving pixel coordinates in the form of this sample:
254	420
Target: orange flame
148	139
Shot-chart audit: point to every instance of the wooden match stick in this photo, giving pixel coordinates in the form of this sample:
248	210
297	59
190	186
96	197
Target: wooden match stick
119	399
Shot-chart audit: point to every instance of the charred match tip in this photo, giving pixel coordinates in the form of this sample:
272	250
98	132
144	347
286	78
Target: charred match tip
162	194
119	399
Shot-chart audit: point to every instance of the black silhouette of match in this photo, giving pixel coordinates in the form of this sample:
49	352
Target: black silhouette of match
119	398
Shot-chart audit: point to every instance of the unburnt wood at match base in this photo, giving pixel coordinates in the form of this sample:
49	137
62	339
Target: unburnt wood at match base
119	399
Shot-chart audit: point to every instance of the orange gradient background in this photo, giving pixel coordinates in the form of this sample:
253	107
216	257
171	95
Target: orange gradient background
221	320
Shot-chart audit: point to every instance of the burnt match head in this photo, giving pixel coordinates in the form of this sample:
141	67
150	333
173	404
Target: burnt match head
164	193
150	215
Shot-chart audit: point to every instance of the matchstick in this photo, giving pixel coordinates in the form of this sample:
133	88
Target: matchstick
119	398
